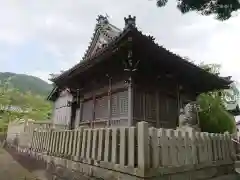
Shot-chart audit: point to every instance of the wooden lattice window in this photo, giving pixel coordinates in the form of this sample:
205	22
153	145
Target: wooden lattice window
87	110
101	108
120	104
123	103
115	107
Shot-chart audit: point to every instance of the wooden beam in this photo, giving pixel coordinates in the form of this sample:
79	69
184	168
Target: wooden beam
179	104
130	101
93	111
109	102
80	113
157	109
143	93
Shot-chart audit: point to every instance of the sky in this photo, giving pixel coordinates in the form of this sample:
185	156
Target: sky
39	37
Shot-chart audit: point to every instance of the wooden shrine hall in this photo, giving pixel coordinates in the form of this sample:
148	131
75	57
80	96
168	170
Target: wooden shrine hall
125	77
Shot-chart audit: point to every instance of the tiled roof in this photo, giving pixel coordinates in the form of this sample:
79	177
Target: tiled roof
90	58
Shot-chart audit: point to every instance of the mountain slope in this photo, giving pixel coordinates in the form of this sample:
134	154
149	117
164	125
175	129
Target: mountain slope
24	83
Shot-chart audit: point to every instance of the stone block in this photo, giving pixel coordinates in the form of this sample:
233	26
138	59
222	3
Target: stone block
204	173
180	176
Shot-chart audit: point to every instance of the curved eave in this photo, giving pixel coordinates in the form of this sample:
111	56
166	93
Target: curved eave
52	94
211	81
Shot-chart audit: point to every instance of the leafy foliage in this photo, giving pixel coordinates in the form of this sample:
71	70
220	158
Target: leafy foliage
214	117
223	9
27	105
26	83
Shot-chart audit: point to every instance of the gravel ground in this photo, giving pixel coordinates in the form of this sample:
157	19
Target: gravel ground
12	170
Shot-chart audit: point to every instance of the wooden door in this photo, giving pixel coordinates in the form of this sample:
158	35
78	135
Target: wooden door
73	115
168	111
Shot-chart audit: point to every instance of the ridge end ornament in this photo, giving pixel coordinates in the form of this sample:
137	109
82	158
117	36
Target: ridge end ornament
130	21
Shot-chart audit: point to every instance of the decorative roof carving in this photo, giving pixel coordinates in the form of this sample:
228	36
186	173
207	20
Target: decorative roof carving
130	21
102	19
103	34
151	38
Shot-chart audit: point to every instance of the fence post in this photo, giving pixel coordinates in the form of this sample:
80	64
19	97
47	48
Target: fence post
143	147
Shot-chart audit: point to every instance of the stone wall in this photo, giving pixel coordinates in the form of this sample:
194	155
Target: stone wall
65	169
20	131
14	129
134	153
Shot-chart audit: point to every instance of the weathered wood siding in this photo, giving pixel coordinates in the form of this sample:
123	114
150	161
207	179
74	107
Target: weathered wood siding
87	111
100	112
159	104
62	112
102	107
168	110
119	110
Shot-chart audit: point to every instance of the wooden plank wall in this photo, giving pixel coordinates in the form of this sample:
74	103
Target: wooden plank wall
61	111
156	108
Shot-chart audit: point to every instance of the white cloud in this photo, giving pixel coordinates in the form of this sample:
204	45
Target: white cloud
220	44
65	27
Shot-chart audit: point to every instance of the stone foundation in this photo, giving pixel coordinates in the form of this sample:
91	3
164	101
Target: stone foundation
58	168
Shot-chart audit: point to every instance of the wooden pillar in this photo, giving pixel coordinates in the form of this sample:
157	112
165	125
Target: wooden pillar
79	119
157	109
93	111
179	104
144	104
130	101
109	102
81	109
130	68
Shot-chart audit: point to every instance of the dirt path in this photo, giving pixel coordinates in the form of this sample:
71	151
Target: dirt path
12	170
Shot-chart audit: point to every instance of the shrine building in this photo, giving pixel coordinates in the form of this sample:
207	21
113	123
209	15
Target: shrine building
126	77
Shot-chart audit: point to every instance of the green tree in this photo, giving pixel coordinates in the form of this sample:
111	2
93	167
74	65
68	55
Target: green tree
222	9
29	106
213	116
